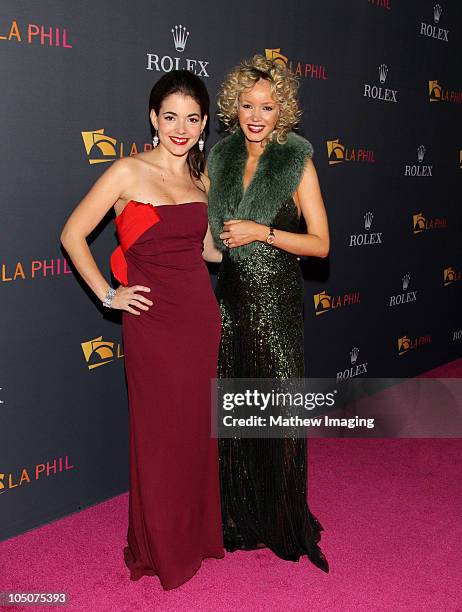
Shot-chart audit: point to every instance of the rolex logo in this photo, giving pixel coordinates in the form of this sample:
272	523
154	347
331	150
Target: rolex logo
377	92
368	220
432	30
355	369
366	238
383	71
167	63
421	153
406	296
419	169
354	354
180	37
437	10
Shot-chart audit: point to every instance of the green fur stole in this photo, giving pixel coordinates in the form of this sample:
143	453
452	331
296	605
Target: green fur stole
276	178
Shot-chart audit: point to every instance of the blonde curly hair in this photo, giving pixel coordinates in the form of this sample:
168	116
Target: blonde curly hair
284	88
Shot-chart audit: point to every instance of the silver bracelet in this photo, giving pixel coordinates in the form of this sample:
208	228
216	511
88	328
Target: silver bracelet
109	297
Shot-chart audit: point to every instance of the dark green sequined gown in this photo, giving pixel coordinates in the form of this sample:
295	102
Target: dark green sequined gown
264	481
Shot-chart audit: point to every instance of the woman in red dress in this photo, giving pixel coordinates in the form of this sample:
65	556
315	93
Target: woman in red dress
171	331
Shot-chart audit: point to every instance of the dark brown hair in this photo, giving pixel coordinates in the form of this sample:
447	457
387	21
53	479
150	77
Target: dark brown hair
188	84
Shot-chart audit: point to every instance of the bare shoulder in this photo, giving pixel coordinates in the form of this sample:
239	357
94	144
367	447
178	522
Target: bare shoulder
308	185
309	167
309	176
144	156
123	168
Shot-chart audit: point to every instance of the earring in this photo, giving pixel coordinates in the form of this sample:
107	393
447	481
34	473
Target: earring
155	140
201	142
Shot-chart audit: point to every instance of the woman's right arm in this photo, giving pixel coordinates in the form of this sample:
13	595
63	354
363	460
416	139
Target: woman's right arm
210	252
102	196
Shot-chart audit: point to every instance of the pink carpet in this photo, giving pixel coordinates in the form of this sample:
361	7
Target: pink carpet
392	515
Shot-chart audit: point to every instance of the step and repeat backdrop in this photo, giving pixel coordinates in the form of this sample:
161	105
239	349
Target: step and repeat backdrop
381	90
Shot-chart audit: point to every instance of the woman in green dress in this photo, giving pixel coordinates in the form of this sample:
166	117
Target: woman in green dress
262	181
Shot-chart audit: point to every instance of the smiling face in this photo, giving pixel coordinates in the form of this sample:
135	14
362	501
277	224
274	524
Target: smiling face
179	123
258	112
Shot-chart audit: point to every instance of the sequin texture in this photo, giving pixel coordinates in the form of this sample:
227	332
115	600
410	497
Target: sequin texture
264	481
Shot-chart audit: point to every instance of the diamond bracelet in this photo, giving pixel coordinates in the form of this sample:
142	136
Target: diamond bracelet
109	297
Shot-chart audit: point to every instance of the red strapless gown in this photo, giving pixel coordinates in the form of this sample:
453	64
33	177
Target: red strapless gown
171	354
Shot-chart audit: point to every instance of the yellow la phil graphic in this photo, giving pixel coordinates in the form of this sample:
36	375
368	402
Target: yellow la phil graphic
11	481
298	68
406	343
421	223
35	269
438	93
101	148
14	31
98	352
451	275
324	302
338	153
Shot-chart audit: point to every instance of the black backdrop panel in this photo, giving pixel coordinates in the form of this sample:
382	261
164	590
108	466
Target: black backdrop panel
75	84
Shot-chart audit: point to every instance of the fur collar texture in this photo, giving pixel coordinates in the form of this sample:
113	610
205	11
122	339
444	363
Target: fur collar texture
276	178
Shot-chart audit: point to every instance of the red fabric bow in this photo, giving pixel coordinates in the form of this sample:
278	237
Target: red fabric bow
129	228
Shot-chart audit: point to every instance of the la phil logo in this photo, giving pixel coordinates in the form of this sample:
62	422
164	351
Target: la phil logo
355	369
406	344
437	93
406	296
432	30
378	92
46	36
338	153
451	276
385	4
98	352
101	148
167	63
420	223
324	302
38	268
368	237
40	471
419	169
300	69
